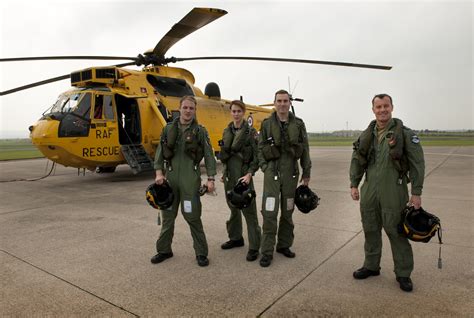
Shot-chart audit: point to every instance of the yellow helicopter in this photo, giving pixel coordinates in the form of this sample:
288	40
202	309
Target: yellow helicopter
113	115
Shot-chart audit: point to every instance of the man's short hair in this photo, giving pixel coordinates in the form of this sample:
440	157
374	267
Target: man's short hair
238	103
381	96
281	91
187	97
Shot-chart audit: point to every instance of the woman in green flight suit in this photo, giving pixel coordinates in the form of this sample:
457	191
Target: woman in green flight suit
240	162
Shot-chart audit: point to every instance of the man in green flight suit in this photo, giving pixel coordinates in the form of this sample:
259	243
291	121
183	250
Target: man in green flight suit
283	141
182	146
389	154
240	162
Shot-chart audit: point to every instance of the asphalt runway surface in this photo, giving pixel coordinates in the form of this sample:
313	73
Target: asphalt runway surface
80	245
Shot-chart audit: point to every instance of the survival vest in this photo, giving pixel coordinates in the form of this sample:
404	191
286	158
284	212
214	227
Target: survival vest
279	139
192	145
237	142
364	147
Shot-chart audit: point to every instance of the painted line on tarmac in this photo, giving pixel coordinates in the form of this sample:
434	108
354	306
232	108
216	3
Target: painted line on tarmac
325	227
69	283
311	272
449	155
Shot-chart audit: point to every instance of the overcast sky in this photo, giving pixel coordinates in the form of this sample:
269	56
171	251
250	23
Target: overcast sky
428	43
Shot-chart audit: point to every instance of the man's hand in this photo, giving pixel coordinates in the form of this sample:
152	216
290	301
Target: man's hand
159	178
210	186
355	193
305	181
246	179
415	200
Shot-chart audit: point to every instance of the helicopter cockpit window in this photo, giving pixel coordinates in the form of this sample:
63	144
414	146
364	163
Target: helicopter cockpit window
64	104
76	122
58	106
70	104
83	108
168	86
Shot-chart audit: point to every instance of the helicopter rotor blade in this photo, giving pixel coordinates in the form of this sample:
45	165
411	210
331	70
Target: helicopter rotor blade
194	20
20	88
41	58
47	81
253	58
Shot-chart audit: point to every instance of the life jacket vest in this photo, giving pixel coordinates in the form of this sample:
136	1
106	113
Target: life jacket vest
364	146
192	145
237	142
283	140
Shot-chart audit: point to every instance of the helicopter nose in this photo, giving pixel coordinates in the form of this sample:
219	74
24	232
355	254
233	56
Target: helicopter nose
30	128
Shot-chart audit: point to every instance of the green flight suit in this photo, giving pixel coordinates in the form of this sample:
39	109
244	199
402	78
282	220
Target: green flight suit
184	177
281	177
240	161
384	194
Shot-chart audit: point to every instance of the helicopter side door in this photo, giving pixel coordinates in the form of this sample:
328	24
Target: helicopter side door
128	115
104	146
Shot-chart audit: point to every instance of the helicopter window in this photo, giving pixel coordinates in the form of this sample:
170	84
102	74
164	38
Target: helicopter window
98	106
109	112
70	104
76	122
84	106
64	104
58	106
103	107
168	86
73	126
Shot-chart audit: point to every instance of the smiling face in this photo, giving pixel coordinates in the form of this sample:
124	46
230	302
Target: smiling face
282	104
382	109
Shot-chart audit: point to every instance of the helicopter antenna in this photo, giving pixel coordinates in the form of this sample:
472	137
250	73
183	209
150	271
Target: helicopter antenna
291	97
294	88
291	91
289	86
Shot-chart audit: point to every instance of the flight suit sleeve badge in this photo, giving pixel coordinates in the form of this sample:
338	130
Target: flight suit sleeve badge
415	139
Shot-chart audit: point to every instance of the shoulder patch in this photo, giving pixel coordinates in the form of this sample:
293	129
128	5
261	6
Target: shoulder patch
415	139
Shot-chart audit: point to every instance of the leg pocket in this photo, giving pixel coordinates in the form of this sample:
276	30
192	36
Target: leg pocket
191	207
371	219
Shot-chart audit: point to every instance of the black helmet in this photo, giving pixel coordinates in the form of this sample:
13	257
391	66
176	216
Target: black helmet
240	196
160	196
419	225
305	199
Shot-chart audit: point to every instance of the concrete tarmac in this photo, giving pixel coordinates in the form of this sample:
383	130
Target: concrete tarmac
81	246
